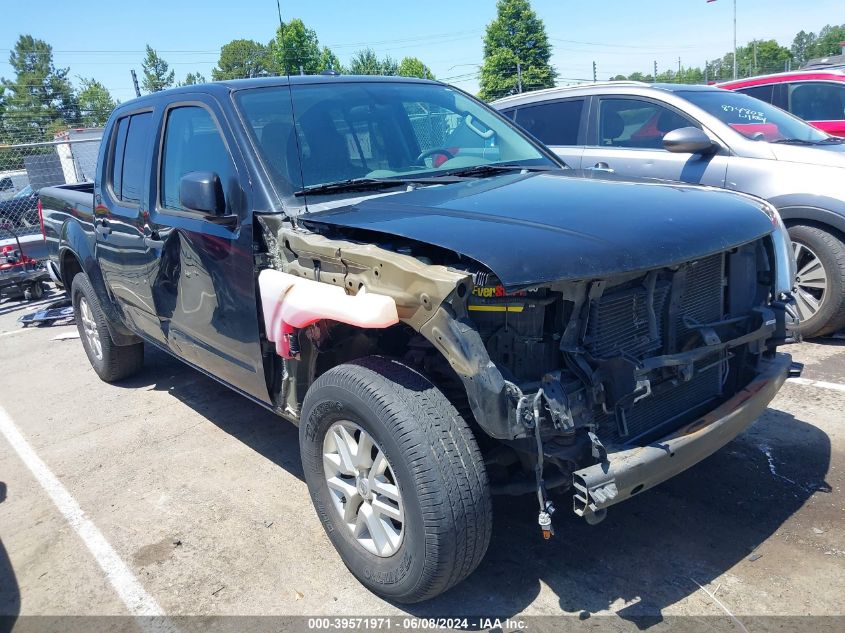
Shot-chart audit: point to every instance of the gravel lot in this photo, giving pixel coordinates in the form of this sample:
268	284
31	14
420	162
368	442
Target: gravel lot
200	493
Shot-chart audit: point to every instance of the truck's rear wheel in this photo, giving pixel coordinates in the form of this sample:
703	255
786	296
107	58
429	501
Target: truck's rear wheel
111	362
396	477
820	280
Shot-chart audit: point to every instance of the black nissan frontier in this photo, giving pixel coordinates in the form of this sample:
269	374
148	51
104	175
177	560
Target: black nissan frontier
443	308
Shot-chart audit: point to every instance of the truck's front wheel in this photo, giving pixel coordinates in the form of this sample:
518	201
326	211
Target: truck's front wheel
396	477
111	362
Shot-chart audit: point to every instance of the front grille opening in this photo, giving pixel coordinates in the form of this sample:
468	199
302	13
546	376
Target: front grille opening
620	323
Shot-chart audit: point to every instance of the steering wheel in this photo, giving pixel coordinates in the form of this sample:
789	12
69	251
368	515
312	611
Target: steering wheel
435	151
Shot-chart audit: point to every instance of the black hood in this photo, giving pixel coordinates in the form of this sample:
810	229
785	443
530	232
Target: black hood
542	227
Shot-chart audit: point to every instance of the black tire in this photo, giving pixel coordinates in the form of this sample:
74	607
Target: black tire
114	362
438	468
830	251
34	291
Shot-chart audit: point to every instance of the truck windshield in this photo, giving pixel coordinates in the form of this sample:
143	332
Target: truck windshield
378	130
754	119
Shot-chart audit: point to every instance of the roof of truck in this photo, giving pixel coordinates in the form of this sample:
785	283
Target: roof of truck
230	85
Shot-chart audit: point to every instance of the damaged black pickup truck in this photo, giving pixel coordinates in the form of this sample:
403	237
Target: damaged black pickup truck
443	308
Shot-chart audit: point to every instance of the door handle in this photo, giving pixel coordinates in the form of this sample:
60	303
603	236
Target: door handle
153	240
101	227
602	166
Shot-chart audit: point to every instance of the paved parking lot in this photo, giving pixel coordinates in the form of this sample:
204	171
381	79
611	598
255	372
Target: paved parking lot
200	495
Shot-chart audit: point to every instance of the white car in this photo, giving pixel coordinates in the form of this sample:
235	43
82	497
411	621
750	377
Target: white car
710	136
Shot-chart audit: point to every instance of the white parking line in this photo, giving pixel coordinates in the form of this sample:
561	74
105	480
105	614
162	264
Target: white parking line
133	595
821	384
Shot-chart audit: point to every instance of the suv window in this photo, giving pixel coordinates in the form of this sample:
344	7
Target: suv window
130	156
192	142
636	123
764	93
553	123
817	100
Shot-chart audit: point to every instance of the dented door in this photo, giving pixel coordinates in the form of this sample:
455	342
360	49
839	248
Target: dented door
203	284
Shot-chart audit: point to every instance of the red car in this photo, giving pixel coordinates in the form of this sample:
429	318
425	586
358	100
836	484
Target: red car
817	96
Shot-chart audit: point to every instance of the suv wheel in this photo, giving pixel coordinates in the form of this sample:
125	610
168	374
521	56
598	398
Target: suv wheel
111	362
396	477
820	280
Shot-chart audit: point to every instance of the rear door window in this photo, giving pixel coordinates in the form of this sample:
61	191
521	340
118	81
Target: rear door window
117	155
555	123
764	93
817	100
634	123
133	166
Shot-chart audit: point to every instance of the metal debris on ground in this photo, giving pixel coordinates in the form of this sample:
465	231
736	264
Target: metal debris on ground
54	312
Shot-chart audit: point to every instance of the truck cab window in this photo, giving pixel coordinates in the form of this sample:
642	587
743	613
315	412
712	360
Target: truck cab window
135	158
118	149
192	142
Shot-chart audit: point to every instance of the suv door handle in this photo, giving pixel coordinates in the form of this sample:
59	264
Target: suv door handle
101	227
602	166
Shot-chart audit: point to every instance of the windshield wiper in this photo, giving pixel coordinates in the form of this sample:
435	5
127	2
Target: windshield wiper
365	184
832	140
495	168
801	141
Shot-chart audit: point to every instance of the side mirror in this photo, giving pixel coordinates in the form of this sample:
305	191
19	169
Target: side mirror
202	191
688	140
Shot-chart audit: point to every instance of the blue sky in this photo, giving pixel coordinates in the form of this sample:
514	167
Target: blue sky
105	39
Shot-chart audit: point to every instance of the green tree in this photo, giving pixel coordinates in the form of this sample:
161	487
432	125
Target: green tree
516	38
192	79
241	59
157	73
802	46
827	41
295	48
40	98
413	67
366	62
95	103
329	61
760	57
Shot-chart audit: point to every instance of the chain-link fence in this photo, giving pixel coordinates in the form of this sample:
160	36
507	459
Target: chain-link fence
27	167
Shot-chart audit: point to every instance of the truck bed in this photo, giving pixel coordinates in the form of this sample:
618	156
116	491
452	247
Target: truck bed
62	206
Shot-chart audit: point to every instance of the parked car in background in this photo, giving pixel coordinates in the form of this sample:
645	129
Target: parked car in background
710	136
817	96
21	210
440	330
11	182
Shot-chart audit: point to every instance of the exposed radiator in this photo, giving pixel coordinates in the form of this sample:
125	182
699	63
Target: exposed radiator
619	324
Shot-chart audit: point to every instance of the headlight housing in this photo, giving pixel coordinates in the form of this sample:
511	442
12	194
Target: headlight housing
784	255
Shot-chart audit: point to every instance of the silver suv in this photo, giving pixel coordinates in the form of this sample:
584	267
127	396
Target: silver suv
710	136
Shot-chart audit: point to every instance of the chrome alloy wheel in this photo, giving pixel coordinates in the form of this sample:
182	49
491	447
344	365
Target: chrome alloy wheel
363	488
89	326
810	281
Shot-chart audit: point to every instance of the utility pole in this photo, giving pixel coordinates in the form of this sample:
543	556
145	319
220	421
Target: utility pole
754	44
594	72
655	70
519	76
135	82
679	69
734	39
